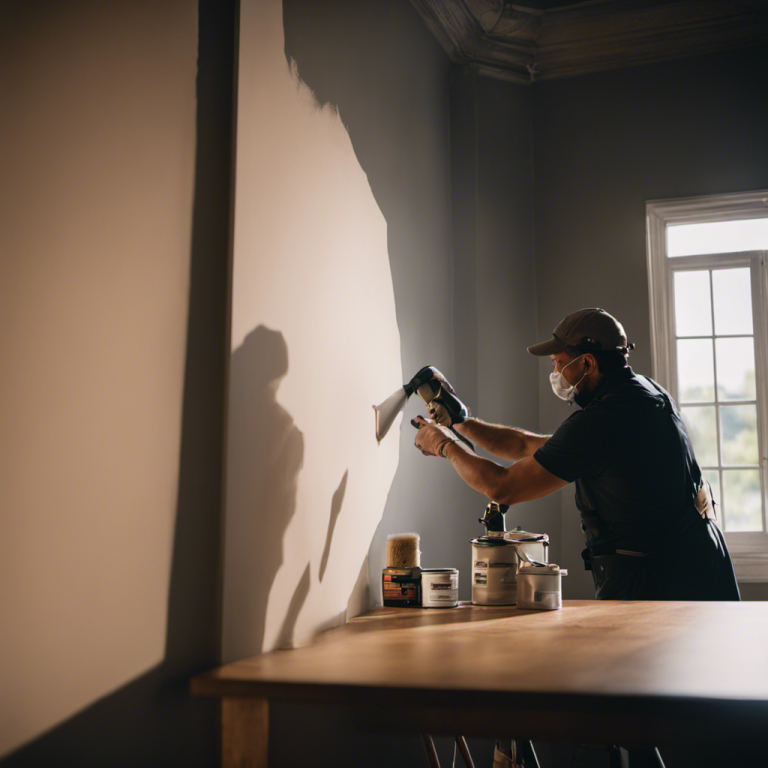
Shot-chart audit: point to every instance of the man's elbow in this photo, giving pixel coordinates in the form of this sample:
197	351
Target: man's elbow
523	481
500	490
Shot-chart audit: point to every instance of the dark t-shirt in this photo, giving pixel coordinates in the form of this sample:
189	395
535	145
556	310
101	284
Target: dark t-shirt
636	478
631	458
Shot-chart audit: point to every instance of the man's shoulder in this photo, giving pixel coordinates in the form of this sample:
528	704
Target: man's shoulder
636	388
582	420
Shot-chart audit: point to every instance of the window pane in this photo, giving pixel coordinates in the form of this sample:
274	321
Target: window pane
741	500
733	301
738	431
693	307
695	371
702	427
717	237
735	369
713	476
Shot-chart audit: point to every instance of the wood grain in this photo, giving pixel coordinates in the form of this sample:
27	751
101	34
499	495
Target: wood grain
244	732
594	664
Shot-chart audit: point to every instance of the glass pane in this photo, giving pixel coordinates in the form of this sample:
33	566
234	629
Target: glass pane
702	427
741	500
693	307
738	431
717	237
695	371
713	476
733	301
735	369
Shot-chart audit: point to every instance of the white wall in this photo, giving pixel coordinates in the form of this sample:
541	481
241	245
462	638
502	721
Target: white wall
98	140
314	345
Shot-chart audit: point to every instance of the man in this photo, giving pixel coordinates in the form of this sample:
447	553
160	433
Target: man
646	512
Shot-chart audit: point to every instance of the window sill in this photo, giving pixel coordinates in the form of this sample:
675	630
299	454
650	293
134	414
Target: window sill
749	552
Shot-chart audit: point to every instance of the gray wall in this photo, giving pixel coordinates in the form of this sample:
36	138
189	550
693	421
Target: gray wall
395	102
607	143
389	79
449	157
492	144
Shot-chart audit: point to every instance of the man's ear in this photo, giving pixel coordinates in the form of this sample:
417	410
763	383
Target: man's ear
592	362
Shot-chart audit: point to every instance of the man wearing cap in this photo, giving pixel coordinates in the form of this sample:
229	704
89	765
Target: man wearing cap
646	512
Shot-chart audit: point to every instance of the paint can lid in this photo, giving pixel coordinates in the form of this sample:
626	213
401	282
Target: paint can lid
491	541
391	571
518	535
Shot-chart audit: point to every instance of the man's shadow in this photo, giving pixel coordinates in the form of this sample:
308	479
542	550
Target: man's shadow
265	452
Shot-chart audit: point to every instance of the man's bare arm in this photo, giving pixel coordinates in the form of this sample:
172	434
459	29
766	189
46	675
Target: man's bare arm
505	442
523	481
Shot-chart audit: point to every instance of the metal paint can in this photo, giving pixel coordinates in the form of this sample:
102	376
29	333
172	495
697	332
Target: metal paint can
439	587
495	564
401	587
539	586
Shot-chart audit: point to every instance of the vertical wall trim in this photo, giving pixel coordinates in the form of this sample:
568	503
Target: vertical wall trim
228	320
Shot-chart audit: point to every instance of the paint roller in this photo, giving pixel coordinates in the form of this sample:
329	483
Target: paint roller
428	382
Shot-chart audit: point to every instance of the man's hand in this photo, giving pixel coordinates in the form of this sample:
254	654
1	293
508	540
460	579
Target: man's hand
446	409
431	439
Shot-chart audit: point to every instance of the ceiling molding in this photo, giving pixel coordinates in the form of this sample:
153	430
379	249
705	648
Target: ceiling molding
512	41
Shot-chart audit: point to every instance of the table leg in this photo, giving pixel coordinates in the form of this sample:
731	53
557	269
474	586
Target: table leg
461	743
244	733
429	746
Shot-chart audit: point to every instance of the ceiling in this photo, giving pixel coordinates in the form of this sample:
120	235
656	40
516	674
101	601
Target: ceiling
544	39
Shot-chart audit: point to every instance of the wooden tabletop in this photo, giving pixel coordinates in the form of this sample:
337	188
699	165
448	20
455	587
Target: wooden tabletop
592	665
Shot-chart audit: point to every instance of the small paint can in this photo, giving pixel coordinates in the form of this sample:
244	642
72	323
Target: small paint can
401	587
439	587
539	586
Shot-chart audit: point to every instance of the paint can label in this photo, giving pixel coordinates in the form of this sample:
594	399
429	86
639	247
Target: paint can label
401	588
547	599
440	588
400	592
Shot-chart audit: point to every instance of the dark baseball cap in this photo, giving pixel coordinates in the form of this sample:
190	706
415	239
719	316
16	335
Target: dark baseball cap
589	330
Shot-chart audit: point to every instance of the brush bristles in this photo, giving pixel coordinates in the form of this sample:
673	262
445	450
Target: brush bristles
403	550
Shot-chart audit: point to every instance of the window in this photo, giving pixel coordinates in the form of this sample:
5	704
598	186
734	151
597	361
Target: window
709	330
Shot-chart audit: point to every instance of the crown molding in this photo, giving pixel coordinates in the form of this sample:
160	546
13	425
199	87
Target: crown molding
525	44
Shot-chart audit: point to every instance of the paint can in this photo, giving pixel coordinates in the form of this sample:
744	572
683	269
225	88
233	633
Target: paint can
539	586
495	564
401	587
439	587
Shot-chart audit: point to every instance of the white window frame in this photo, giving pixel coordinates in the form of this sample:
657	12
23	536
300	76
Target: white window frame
748	550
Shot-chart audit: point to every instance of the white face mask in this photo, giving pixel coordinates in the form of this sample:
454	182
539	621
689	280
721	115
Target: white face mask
560	385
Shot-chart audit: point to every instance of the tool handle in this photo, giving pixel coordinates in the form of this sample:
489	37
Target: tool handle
461	437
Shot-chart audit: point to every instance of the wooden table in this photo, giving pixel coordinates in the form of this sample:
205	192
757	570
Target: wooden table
638	674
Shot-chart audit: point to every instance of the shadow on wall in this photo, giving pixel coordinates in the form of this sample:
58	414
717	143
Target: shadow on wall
265	456
336	503
396	116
